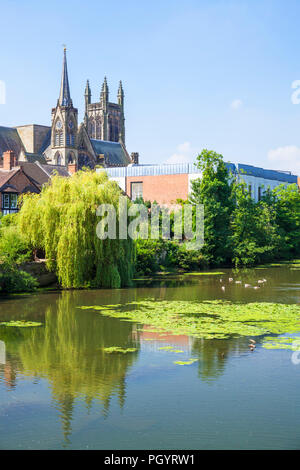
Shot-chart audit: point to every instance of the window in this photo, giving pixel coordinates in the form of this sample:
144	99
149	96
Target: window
136	190
70	140
250	189
59	139
57	158
9	203
259	193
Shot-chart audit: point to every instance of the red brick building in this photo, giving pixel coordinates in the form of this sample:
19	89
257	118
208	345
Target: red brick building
166	183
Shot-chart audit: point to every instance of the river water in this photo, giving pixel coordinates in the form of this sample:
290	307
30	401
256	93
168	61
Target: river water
58	390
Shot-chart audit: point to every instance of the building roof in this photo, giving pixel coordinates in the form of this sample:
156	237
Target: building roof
189	168
51	170
35	173
35	157
46	142
113	152
10	140
6	175
284	176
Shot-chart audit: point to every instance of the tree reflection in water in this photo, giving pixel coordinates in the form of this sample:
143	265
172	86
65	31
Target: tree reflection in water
68	352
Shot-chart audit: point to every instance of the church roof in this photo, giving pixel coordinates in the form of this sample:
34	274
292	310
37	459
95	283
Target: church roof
113	152
46	142
35	157
50	170
10	140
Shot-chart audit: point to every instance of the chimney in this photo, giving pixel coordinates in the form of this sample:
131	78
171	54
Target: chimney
9	160
72	168
135	158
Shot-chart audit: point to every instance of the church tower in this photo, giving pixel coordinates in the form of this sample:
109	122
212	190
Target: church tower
105	120
64	124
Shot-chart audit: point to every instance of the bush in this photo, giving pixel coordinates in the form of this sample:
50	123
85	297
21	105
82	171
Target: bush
14	248
13	280
154	255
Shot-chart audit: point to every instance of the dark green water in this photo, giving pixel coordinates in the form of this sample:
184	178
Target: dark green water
59	390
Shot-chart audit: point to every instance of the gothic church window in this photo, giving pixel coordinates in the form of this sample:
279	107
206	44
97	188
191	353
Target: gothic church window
70	140
59	139
58	159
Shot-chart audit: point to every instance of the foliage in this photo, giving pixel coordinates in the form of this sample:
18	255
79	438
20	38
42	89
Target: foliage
286	203
254	235
62	221
153	255
213	190
14	247
239	231
14	280
14	250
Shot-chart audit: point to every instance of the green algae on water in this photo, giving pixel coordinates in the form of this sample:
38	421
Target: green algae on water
213	273
20	323
185	363
216	319
282	342
117	349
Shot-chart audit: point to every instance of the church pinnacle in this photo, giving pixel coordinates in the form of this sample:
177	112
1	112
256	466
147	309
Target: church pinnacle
65	97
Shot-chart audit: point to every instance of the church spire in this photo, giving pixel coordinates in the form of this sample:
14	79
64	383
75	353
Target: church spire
87	98
104	90
65	97
121	95
87	89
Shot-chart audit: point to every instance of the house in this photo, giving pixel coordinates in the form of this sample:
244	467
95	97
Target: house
18	178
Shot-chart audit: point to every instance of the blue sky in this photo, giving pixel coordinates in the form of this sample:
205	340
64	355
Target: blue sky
196	74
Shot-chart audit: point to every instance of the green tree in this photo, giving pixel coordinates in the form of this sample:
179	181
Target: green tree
213	190
62	221
254	232
286	200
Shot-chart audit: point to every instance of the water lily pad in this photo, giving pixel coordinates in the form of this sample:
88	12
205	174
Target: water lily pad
185	363
117	349
216	319
20	323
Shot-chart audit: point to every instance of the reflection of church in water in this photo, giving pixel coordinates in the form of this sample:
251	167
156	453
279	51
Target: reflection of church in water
98	140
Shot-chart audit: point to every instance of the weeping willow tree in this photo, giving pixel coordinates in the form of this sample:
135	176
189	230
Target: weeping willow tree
62	221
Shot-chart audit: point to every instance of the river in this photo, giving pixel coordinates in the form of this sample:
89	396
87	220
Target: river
60	390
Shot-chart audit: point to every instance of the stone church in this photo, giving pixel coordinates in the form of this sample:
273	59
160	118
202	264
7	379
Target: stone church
98	141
